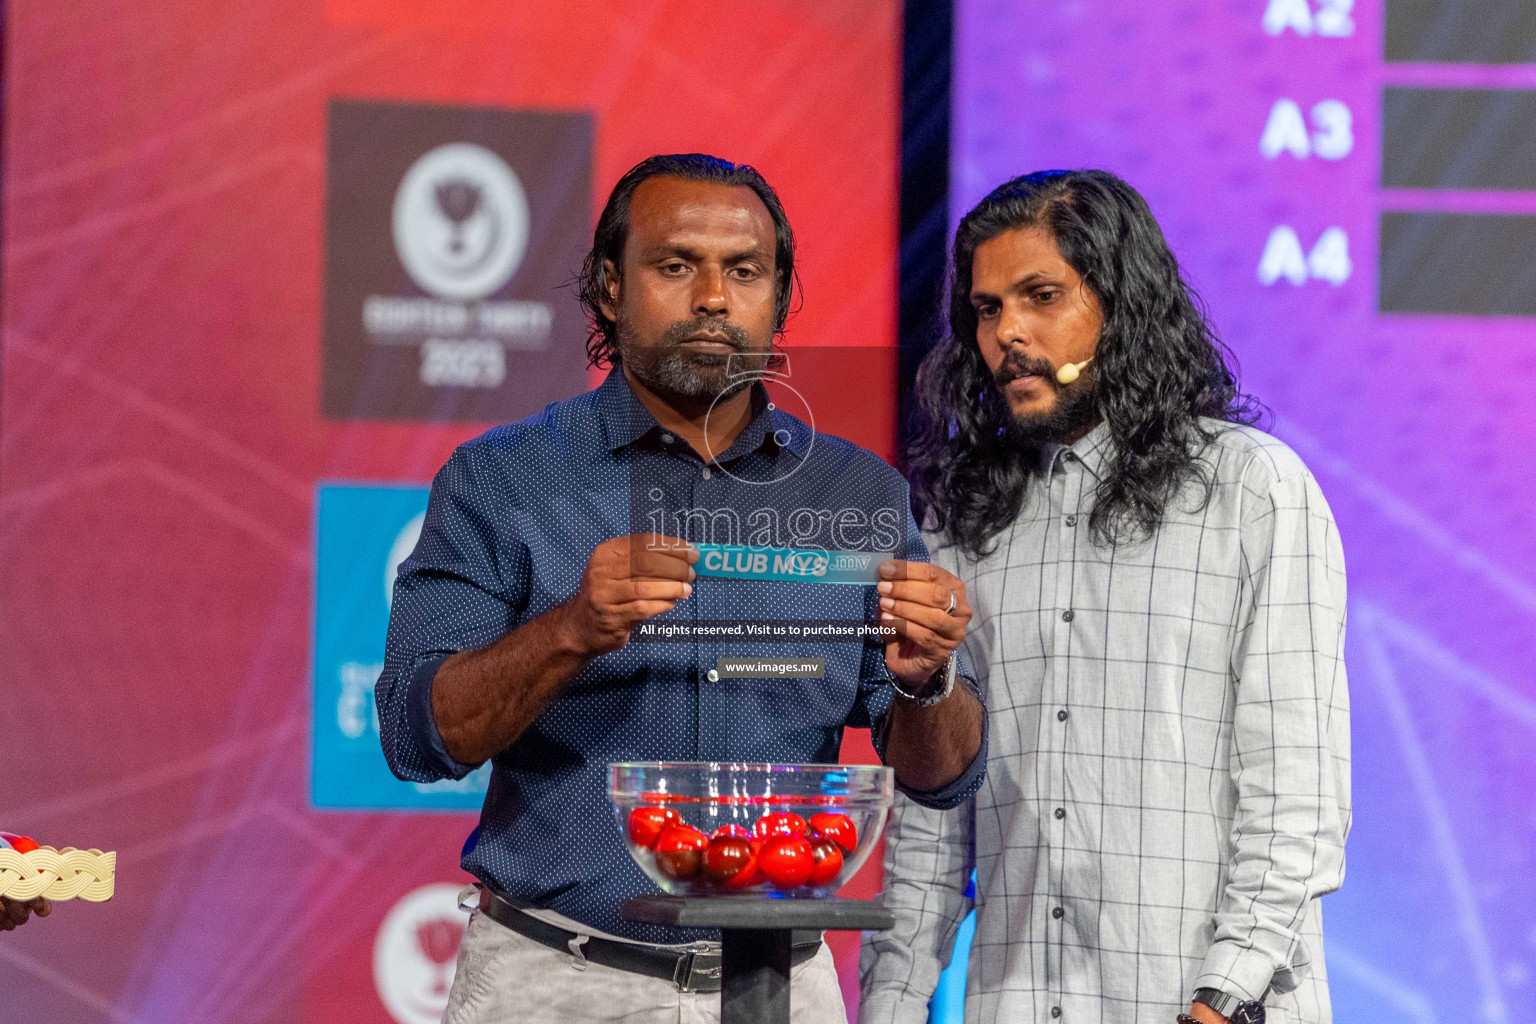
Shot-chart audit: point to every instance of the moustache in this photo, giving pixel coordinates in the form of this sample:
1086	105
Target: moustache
722	331
1017	364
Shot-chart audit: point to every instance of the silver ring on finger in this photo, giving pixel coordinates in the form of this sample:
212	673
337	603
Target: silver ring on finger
951	609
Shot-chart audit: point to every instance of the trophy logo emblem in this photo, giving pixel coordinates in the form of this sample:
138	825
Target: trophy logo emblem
460	222
415	952
439	940
458	199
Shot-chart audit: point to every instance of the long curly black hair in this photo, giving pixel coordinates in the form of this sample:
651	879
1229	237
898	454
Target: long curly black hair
1158	369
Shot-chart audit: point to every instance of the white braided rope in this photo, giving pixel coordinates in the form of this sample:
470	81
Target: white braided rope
65	874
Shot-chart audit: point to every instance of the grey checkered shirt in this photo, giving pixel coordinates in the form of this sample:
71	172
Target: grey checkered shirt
1167	794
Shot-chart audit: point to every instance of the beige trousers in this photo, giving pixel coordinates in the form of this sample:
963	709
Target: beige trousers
505	978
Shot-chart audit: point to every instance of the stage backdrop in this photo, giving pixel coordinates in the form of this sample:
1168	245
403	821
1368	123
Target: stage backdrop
1351	185
265	264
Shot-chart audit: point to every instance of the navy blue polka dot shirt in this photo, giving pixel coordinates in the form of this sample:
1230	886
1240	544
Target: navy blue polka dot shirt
513	518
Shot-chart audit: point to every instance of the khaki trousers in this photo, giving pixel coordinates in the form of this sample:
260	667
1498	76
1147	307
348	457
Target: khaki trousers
506	978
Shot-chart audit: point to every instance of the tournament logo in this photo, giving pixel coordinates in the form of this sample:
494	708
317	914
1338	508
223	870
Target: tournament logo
461	221
452	237
416	951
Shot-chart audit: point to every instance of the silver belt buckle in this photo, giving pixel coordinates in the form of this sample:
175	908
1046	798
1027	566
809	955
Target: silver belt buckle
698	970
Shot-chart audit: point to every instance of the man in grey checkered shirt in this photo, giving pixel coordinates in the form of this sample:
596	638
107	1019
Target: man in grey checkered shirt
1158	596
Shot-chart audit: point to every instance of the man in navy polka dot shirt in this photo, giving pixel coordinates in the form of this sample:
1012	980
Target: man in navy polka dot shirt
544	547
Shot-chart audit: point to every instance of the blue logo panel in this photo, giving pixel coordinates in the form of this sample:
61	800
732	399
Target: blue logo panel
799	565
363	533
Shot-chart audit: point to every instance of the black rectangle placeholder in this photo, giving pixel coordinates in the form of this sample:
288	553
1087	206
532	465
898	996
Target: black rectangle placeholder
1461	31
1459	139
1458	263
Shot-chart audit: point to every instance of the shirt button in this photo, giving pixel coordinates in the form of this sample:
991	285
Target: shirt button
1055	1011
712	676
1061	812
706	472
1070	457
1068	615
667	438
1058	913
1071	520
1061	716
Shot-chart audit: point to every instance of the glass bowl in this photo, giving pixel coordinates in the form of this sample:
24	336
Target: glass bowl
773	830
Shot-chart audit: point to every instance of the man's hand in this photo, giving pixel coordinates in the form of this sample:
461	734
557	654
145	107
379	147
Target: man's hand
627	580
928	607
483	700
13	913
930	747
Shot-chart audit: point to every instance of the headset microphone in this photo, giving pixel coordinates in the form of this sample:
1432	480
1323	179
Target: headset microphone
1069	373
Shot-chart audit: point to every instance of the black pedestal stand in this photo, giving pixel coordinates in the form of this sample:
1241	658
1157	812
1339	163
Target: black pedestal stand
754	939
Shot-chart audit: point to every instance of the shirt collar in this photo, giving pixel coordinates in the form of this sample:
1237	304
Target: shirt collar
624	419
621	416
1092	451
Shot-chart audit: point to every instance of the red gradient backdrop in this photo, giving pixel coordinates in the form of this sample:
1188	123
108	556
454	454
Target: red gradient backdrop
160	434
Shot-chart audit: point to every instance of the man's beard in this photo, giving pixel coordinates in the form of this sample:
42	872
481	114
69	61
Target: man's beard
667	368
1074	412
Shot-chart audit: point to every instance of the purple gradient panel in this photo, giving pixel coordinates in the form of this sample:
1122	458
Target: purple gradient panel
1417	427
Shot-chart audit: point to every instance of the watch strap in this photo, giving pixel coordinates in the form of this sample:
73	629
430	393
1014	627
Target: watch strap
939	695
1234	1008
1222	1002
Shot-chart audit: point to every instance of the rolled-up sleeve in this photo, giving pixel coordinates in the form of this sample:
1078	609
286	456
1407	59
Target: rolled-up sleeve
1290	746
463	587
929	856
876	697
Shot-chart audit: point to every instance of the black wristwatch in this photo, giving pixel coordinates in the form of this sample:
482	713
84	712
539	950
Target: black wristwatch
1235	1008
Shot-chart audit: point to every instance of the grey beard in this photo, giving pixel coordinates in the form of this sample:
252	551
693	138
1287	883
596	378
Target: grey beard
669	369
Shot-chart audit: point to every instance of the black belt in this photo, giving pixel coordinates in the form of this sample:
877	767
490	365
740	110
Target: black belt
693	969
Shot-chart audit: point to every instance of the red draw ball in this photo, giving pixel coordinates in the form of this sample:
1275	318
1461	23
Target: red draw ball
781	824
730	830
680	851
838	828
647	823
757	866
730	862
828	861
787	861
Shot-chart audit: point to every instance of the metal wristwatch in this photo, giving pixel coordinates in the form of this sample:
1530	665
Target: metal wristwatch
1235	1008
936	697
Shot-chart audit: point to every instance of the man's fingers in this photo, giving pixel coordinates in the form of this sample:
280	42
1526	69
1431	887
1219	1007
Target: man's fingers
935	620
901	626
934	594
657	590
624	615
900	569
914	640
617	593
660	565
664	542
